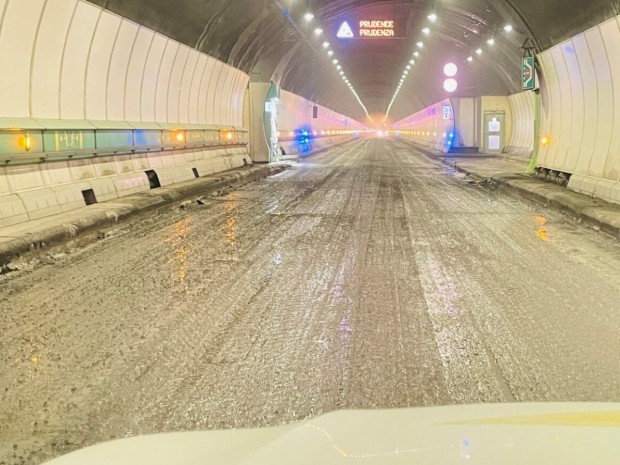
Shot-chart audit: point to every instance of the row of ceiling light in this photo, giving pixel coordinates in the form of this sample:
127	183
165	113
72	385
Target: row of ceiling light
450	69
319	33
490	42
416	54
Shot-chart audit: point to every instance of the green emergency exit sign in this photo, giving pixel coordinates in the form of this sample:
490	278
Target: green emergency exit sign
528	75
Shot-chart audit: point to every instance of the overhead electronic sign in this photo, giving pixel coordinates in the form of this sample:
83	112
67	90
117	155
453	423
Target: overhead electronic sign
377	22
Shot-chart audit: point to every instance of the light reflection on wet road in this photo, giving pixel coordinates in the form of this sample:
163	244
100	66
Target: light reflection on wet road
365	277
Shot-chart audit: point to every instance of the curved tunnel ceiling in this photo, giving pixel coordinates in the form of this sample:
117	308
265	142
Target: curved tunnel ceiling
269	39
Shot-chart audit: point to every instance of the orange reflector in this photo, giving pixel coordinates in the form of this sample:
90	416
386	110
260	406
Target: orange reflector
180	136
546	140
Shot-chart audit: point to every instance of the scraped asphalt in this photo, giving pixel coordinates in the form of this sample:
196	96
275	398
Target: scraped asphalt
369	276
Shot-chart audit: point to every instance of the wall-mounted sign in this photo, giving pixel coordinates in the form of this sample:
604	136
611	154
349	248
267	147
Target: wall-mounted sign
447	112
270	107
528	76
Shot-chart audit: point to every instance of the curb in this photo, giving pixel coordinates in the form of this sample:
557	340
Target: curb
598	213
110	213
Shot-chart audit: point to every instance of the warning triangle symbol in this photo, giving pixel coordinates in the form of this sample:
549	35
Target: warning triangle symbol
345	31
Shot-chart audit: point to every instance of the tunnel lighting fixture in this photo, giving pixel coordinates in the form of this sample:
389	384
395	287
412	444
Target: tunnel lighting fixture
479	51
412	62
416	54
27	142
406	72
420	44
546	140
180	137
450	85
508	28
470	59
491	41
450	69
408	66
326	45
426	30
432	17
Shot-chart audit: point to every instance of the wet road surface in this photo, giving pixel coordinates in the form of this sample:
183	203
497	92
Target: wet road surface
365	277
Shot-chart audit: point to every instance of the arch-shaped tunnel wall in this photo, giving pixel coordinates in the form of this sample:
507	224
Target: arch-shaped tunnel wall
94	101
328	129
523	110
579	113
432	127
580	91
71	60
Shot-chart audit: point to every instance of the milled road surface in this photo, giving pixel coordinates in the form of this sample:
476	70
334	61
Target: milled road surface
366	277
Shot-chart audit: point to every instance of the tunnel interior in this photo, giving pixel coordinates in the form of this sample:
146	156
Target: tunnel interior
273	39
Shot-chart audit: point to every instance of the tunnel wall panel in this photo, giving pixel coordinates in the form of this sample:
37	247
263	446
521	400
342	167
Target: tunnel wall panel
135	74
163	81
117	74
30	192
150	78
186	86
611	38
48	55
428	127
19	26
213	88
296	114
194	93
581	110
174	85
72	60
75	61
69	59
205	85
523	119
585	151
99	66
295	111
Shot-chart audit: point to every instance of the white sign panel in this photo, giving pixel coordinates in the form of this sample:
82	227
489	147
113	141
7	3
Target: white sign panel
495	125
495	143
447	112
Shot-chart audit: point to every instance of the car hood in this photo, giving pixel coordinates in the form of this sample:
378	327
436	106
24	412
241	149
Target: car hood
504	434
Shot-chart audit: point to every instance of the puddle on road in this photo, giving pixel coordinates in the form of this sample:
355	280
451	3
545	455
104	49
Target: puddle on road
541	230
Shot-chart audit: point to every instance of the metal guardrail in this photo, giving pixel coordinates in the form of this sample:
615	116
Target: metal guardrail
43	157
40	145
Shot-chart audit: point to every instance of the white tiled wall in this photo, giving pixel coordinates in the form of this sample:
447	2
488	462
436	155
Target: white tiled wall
523	123
580	89
70	59
428	127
